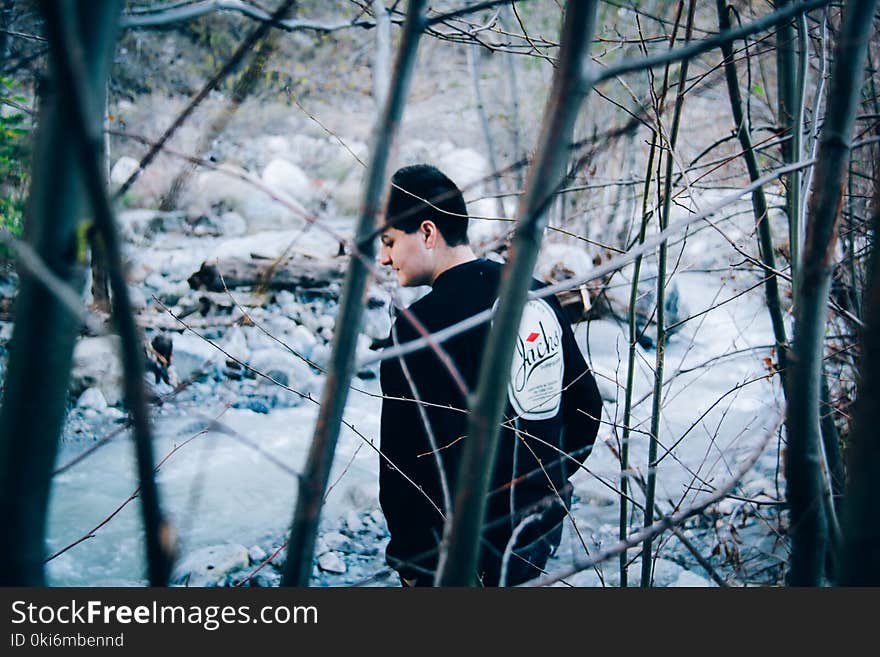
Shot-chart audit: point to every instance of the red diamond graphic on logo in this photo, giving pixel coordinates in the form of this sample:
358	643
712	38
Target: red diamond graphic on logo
532	337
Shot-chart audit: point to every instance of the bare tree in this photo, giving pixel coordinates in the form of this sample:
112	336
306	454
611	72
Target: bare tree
313	483
569	87
861	555
809	528
35	396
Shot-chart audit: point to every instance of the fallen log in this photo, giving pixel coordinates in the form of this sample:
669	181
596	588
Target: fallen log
295	273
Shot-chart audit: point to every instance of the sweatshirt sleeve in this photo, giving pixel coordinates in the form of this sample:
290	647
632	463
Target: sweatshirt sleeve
412	545
407	476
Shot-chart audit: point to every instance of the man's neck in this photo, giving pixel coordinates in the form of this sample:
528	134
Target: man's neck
453	256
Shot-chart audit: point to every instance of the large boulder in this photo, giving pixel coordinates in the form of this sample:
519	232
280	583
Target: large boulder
232	224
465	166
123	169
191	354
283	176
284	367
217	192
96	364
93	399
348	193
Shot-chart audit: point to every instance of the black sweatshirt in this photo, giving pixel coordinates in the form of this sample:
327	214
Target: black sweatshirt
553	403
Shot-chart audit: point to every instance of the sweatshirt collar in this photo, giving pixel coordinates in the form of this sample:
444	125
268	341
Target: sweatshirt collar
449	276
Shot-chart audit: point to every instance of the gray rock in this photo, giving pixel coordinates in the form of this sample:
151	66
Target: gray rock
204	226
280	376
377	323
688	579
170	293
125	166
286	299
157	281
137	298
338	541
327	322
191	353
666	572
210	566
321	355
257	339
354	522
96	364
275	359
331	562
283	176
232	224
267	578
302	341
92	398
113	414
256	554
363	351
309	319
236	345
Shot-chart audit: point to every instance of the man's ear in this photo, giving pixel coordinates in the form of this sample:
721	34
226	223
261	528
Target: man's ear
430	233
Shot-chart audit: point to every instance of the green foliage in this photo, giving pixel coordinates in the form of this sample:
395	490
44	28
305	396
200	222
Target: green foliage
15	155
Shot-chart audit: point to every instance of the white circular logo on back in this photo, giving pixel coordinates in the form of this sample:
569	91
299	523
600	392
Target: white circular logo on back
535	389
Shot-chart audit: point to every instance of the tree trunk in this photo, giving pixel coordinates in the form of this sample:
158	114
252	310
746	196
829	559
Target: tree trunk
630	370
759	202
860	562
5	24
473	55
647	561
298	273
506	18
803	463
65	51
789	99
463	535
313	482
382	61
35	397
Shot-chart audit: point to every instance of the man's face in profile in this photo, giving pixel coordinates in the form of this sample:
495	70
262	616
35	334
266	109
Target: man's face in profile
408	255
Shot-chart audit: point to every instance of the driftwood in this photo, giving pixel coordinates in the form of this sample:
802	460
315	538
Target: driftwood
295	273
306	274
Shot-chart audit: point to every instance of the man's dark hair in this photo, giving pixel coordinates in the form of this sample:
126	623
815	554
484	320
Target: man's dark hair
422	192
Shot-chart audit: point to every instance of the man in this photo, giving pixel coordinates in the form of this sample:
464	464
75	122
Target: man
553	402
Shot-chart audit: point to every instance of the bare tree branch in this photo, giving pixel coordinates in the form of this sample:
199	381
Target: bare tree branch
667	522
298	567
705	45
809	523
164	15
562	109
65	49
